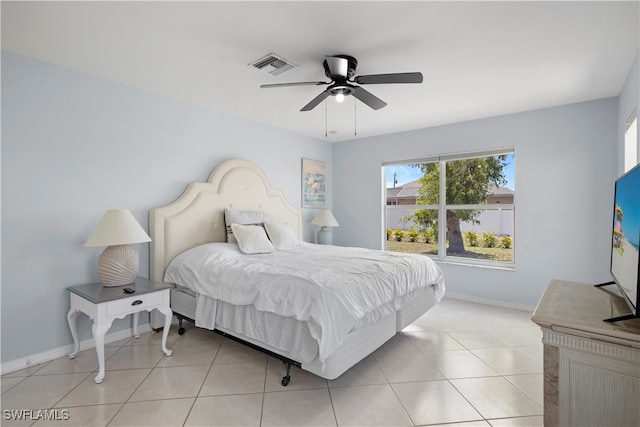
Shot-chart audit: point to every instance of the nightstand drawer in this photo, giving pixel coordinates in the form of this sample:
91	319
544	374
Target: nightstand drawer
134	303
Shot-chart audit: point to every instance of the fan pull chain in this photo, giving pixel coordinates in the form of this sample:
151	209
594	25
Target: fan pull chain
325	118
355	122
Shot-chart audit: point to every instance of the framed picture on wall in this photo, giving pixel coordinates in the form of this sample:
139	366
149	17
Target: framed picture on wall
314	182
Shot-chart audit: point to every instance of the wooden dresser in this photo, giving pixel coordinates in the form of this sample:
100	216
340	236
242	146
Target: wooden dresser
591	367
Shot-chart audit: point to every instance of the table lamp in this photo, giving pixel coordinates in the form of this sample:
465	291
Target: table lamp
325	219
118	263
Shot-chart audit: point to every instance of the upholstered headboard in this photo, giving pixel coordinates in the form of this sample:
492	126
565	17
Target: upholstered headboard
197	216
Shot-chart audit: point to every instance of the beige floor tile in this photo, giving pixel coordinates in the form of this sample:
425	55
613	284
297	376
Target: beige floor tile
518	422
422	323
408	365
534	352
366	372
495	397
232	410
477	338
155	337
156	413
40	392
199	335
235	378
118	343
460	364
84	416
135	357
433	402
398	344
8	383
531	384
171	383
300	379
116	387
30	370
433	341
468	424
519	337
298	408
189	355
370	405
234	352
85	361
508	361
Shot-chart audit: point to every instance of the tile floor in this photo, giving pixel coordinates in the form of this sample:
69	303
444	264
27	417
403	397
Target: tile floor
461	364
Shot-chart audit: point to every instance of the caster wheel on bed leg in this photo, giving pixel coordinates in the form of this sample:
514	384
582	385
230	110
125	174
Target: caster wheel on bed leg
181	331
285	381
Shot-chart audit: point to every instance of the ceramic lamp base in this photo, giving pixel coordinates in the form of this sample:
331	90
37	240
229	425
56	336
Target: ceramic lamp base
118	265
324	236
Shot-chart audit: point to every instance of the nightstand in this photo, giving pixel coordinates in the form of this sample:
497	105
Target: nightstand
104	304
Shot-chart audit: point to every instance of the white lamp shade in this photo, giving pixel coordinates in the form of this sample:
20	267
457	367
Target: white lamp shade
117	227
325	219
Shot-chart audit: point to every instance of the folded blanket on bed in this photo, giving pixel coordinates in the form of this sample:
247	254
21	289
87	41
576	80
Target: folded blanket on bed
332	288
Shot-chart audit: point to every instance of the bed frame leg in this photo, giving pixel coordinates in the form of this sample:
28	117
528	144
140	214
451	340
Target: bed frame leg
287	378
180	327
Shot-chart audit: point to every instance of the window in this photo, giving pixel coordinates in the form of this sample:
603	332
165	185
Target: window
458	208
631	142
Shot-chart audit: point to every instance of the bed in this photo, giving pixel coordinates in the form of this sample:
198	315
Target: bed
260	303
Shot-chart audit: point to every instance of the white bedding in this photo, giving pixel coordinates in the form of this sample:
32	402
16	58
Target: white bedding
334	289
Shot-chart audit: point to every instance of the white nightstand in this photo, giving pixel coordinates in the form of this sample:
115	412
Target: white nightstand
104	304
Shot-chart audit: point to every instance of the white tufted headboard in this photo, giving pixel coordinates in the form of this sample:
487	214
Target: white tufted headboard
197	216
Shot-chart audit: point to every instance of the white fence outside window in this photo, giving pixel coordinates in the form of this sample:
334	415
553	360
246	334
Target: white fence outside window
498	222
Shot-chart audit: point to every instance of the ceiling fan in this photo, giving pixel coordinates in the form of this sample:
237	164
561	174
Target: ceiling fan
341	70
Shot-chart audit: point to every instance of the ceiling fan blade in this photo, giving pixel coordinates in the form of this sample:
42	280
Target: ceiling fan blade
373	79
368	98
337	66
293	84
315	101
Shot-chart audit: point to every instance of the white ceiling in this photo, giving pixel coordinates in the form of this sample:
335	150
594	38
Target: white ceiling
479	59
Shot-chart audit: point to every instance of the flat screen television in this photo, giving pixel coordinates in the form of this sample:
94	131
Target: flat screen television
625	252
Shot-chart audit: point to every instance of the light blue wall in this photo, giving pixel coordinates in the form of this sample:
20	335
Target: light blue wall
628	101
565	167
74	146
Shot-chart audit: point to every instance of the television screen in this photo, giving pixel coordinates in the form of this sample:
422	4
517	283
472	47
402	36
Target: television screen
625	266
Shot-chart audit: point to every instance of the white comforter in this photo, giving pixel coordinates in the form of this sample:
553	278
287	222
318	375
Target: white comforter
331	288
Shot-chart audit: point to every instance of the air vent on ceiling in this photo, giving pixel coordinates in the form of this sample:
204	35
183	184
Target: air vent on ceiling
273	64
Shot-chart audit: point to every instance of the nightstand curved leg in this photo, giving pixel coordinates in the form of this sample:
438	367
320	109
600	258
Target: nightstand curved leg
165	331
98	336
71	318
136	315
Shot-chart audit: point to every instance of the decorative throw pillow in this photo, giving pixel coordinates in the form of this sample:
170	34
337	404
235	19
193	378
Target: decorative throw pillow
282	235
232	216
252	239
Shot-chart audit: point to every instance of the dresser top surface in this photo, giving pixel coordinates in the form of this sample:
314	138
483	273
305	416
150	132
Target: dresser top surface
583	307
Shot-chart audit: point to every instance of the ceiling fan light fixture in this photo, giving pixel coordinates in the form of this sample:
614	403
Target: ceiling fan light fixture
340	92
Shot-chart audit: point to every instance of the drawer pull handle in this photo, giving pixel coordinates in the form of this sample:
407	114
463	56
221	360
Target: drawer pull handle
137	302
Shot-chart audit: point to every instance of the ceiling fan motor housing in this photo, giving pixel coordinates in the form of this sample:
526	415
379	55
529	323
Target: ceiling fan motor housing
352	64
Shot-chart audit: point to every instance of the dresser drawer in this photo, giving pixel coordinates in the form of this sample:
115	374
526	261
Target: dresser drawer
134	303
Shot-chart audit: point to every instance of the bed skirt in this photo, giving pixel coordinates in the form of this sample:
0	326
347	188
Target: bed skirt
357	345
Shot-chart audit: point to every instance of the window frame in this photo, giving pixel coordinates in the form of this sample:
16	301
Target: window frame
442	207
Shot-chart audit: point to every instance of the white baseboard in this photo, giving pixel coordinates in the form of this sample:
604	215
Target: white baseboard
56	353
488	301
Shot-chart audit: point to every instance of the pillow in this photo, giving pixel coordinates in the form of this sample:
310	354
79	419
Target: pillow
232	216
282	235
252	239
